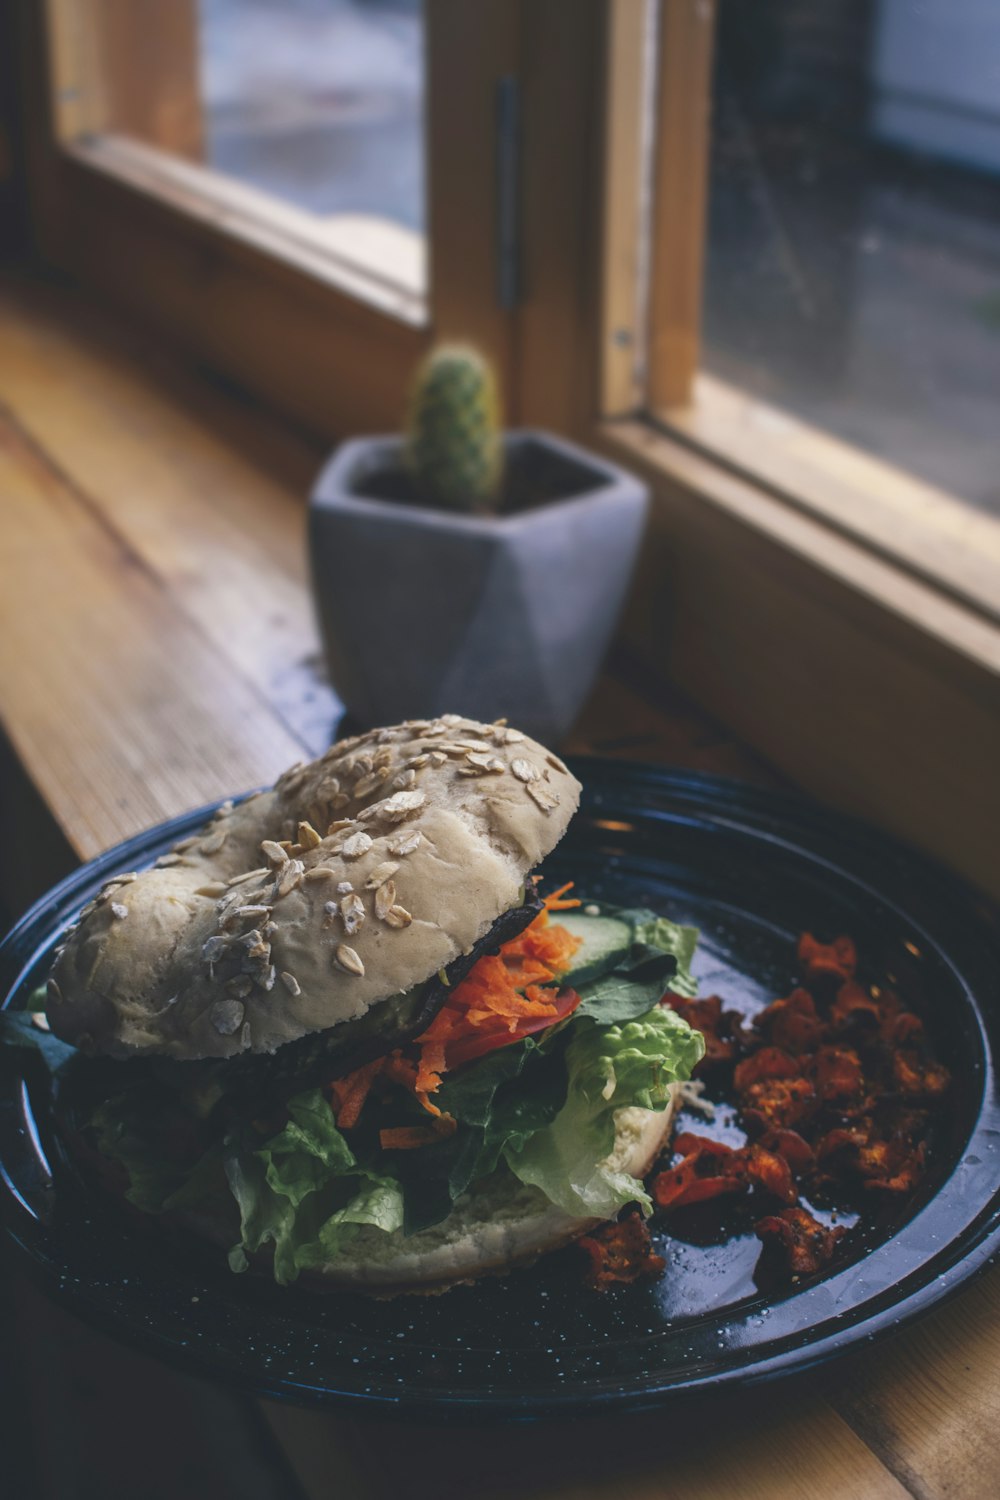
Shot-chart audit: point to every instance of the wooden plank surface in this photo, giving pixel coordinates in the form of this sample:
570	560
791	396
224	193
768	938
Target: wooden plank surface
928	1403
157	651
759	1447
120	706
215	515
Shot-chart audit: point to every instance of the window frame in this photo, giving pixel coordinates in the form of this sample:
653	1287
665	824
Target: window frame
236	278
921	528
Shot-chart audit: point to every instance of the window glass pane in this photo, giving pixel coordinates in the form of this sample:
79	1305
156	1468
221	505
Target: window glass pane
299	120
853	267
319	102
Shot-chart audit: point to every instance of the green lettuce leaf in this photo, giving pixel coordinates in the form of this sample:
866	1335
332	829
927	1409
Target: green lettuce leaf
304	1191
618	997
308	1152
505	1096
130	1132
659	959
17	1029
656	936
609	1068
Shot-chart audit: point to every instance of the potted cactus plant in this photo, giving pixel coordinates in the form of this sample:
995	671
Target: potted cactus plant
461	569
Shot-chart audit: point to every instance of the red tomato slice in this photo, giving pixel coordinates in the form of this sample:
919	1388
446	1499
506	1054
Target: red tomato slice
479	1042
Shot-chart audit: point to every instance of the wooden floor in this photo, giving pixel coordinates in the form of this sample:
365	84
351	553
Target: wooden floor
157	650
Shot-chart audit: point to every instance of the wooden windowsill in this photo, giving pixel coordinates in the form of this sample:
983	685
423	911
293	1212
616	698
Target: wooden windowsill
859	680
917	528
808	536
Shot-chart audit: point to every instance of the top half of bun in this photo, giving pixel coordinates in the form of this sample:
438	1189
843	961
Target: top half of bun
355	878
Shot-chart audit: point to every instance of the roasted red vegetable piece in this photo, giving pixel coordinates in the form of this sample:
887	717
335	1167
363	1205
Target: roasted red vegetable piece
826	962
690	1143
767	1062
838	1073
708	1170
804	1243
890	1007
893	1166
620	1252
681	1186
715	1025
793	1147
792	1024
884	1159
904	1028
779	1104
917	1079
845	1140
711	1168
767	1170
854	1005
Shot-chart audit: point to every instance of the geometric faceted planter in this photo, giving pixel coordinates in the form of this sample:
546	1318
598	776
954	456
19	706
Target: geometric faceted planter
427	611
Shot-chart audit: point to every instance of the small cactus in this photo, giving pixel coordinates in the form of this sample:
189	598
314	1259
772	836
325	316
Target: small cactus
453	448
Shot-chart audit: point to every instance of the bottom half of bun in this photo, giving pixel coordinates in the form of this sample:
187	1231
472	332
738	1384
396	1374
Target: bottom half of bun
499	1224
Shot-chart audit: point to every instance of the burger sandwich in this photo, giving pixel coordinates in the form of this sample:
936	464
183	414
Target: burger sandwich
342	1032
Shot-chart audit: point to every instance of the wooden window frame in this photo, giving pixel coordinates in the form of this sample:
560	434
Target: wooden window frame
920	527
249	287
323	323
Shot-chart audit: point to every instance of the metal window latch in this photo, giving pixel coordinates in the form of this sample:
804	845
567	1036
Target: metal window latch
508	190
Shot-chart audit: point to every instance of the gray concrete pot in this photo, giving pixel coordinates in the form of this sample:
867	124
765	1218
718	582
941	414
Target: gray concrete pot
426	611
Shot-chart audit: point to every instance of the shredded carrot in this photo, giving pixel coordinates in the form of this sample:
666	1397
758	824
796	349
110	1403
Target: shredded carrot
554	902
502	990
399	1069
504	994
349	1094
429	1069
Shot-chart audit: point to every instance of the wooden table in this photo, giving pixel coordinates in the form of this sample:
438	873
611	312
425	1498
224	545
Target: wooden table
158	651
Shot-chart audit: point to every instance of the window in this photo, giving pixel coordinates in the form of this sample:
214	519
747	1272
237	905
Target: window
824	264
319	103
853	249
302	191
299	120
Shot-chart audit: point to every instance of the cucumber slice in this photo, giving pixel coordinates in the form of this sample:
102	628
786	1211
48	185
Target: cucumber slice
606	942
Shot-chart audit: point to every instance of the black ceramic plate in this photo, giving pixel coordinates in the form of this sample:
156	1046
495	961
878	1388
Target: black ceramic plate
751	869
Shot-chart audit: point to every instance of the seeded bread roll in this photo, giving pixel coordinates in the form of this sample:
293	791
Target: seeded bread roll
354	879
499	1224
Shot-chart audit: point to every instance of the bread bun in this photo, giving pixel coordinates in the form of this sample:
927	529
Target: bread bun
354	879
500	1223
